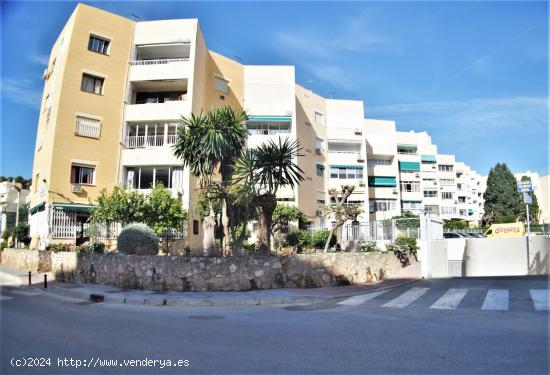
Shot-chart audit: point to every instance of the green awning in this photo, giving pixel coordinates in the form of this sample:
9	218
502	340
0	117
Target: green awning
72	207
470	211
382	181
413	166
36	208
347	166
269	118
321	166
428	158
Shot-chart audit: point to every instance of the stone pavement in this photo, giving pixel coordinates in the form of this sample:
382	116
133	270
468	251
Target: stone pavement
108	294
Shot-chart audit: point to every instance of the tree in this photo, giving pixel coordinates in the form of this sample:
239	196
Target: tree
341	211
211	143
534	209
283	215
407	220
501	196
455	224
162	211
263	171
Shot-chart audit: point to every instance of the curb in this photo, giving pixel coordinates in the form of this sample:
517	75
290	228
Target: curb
113	298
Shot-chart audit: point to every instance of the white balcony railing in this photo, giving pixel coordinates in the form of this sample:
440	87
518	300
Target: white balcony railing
157	61
139	141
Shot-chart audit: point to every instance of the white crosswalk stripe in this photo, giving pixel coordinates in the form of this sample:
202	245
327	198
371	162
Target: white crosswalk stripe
26	293
450	300
406	298
541	299
2	298
496	299
360	299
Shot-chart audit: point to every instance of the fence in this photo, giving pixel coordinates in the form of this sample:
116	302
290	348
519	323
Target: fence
378	230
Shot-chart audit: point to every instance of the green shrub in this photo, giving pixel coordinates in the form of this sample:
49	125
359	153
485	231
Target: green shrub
319	238
6	234
138	239
403	248
299	239
93	248
57	247
368	247
504	219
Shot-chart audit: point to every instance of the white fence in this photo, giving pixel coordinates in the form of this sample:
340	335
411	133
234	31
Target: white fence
379	230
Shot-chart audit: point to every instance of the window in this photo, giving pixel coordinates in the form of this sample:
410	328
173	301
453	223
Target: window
318	118
410	186
406	149
82	175
375	162
448	210
320	201
430	193
221	85
35	185
461	199
432	209
445	168
320	170
92	84
459	186
195	227
87	127
148	177
99	45
346	172
446	182
268	127
412	206
376	205
446	195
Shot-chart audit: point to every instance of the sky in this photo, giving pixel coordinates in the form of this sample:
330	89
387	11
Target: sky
474	75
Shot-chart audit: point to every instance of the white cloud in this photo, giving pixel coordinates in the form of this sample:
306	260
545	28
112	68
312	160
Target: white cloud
21	91
39	58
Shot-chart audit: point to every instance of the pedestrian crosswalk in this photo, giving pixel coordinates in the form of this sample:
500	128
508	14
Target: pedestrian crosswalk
451	299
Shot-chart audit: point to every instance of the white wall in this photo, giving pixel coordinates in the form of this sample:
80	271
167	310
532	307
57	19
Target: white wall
165	31
269	90
345	114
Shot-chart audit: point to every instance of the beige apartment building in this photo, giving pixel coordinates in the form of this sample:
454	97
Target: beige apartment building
115	90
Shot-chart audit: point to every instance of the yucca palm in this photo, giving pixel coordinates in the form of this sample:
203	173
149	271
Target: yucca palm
265	170
211	143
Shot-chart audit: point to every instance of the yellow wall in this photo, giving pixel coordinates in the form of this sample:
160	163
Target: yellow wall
103	152
307	130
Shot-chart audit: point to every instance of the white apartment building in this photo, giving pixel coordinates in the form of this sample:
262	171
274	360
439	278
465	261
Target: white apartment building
12	198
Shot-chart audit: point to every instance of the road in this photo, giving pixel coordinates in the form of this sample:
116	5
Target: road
447	326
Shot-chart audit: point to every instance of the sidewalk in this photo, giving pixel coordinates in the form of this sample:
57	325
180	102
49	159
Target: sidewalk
109	294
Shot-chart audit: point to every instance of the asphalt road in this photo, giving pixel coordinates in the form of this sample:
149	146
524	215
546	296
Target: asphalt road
454	326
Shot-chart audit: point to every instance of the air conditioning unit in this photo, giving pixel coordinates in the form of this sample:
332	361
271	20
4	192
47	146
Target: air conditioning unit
358	132
318	151
435	183
76	189
417	175
395	191
362	183
434	166
360	159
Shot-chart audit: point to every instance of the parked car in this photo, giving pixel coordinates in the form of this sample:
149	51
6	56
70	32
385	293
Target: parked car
455	235
476	235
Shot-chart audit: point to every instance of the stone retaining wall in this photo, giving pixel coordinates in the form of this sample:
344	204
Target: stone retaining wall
208	273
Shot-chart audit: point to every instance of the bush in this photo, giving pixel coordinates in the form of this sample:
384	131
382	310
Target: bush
299	239
368	247
6	234
138	239
319	238
57	247
93	248
504	219
403	248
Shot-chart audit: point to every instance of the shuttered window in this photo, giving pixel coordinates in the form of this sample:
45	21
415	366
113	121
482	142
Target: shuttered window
87	127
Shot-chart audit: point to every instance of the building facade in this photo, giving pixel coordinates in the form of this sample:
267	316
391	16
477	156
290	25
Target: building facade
115	90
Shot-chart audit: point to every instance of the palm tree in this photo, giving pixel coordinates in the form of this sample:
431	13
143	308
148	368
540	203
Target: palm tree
211	143
265	170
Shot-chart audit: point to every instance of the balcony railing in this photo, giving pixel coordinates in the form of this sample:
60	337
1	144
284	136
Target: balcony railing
139	141
157	61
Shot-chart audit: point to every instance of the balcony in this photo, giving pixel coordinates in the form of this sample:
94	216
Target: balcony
161	62
158	100
142	141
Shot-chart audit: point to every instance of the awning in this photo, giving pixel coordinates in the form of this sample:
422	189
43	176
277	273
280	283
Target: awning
320	166
72	207
413	166
269	118
428	158
382	181
347	166
36	208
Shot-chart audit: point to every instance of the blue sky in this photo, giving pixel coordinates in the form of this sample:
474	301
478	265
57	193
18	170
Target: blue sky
472	74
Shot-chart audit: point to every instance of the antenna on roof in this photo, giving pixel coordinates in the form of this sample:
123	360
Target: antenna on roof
135	16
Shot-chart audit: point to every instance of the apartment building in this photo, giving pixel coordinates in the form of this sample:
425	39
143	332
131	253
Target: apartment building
12	199
115	90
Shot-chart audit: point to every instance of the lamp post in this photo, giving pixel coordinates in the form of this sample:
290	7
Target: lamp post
17	210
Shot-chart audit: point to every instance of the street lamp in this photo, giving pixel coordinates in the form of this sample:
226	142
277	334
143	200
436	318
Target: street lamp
18	188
